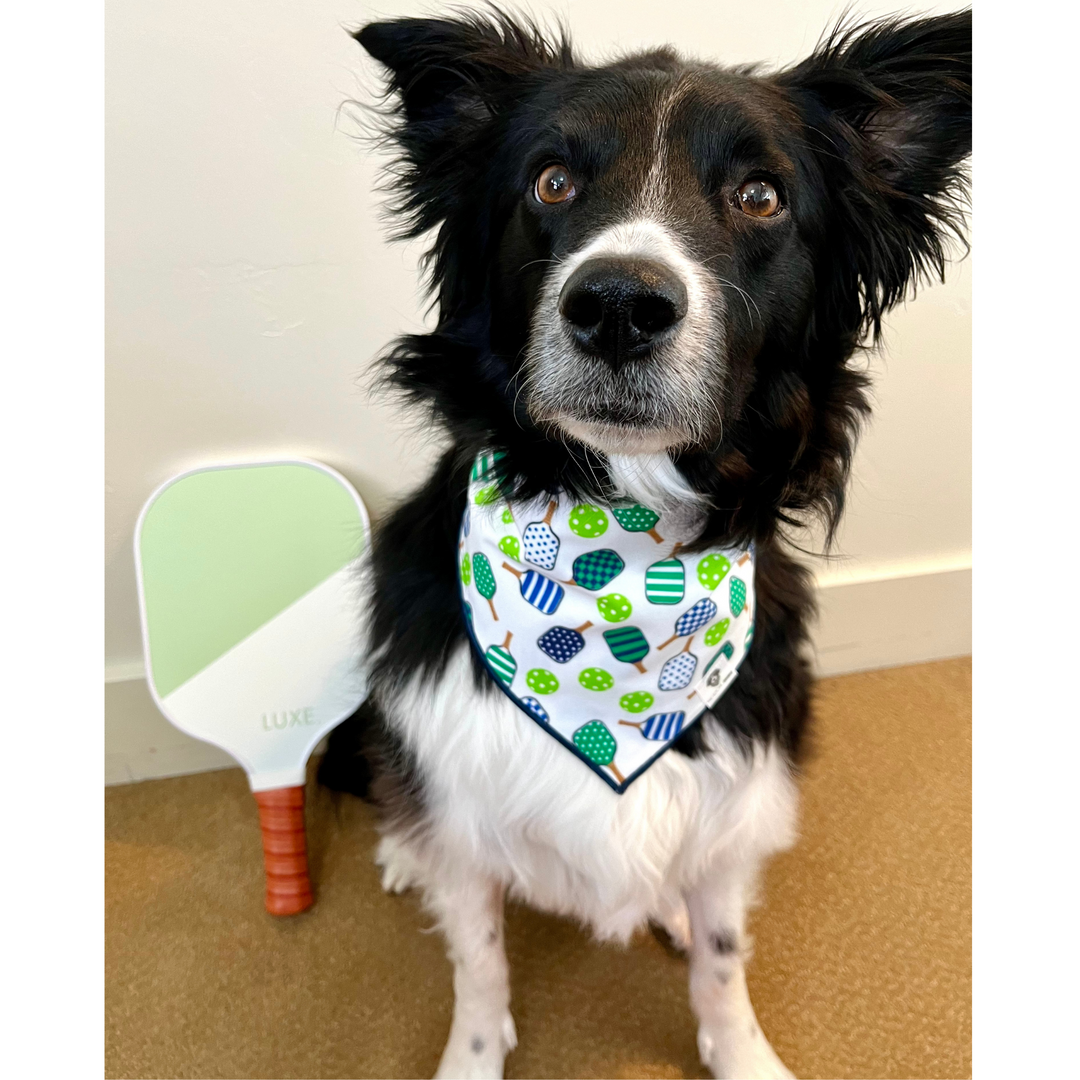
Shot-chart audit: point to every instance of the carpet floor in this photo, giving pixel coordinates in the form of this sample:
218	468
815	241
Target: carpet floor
861	966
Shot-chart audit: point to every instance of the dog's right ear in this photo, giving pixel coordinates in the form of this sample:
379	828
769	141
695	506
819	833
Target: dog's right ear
445	70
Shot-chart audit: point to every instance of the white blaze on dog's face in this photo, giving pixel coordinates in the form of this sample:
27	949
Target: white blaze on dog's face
659	194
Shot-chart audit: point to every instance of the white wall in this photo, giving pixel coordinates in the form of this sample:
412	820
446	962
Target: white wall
249	285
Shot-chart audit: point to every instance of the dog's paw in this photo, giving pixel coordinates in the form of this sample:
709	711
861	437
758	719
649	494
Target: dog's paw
740	1055
473	1054
399	869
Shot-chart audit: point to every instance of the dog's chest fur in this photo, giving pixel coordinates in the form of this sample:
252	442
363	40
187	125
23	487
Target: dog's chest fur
502	796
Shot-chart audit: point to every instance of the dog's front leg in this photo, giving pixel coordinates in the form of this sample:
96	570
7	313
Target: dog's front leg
470	913
730	1040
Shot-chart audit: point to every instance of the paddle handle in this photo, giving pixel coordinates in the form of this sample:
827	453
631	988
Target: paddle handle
281	818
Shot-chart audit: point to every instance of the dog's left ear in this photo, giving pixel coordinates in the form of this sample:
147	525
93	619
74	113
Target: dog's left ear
887	107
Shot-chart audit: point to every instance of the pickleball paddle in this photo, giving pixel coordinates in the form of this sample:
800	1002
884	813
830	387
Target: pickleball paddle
249	601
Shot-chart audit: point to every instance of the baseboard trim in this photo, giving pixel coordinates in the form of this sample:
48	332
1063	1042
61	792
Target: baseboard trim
878	621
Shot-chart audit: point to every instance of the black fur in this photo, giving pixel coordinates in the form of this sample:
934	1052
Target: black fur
865	140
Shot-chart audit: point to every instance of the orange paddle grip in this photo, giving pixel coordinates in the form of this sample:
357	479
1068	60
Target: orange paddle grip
281	817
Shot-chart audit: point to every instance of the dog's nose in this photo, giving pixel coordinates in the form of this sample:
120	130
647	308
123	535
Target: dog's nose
619	309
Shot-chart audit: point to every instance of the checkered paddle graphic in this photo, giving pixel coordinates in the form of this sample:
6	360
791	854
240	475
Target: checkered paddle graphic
692	620
595	569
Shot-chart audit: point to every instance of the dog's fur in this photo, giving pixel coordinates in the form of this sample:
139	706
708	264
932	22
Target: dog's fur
744	413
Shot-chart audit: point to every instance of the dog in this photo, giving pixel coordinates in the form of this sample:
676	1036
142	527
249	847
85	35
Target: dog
651	278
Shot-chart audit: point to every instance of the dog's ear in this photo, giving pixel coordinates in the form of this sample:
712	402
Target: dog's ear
448	79
887	107
444	69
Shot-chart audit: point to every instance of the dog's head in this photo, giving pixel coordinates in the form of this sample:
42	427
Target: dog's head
663	255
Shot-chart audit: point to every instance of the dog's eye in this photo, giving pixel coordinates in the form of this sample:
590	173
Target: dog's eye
758	198
555	185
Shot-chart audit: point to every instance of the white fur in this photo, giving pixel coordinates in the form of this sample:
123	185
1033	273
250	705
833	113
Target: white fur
505	798
653	479
509	809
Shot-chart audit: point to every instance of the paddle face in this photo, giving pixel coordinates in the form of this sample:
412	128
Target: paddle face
248	595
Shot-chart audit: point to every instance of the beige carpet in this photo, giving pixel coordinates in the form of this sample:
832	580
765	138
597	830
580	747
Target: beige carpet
862	966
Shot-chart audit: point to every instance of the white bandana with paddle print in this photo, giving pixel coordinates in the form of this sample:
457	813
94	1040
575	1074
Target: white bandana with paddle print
595	624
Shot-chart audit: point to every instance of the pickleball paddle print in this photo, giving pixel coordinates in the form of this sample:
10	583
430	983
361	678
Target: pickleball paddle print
539	541
601	590
561	643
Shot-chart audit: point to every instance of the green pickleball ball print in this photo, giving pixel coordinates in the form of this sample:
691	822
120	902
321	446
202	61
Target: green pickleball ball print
614	607
712	570
588	521
541	681
594	678
715	634
508	516
487	495
466	569
510	545
636	702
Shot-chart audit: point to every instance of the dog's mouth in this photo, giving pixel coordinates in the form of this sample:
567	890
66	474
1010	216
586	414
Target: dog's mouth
615	434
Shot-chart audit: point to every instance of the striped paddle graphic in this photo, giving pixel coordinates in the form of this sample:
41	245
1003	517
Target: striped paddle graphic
544	594
665	581
502	664
628	644
659	726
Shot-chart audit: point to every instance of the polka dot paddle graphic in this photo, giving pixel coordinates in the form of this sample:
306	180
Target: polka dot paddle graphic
485	580
588	521
561	643
597	743
540	542
679	670
665	725
737	596
595	569
692	620
628	644
544	594
638	518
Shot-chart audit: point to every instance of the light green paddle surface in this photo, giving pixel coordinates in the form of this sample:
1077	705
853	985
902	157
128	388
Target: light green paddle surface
251	611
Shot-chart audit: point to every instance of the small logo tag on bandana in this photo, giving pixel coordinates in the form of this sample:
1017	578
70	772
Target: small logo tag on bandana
596	625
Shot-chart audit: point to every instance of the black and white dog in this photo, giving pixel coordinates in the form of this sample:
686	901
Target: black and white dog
651	278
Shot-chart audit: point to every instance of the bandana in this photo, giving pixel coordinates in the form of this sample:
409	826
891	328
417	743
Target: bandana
593	623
